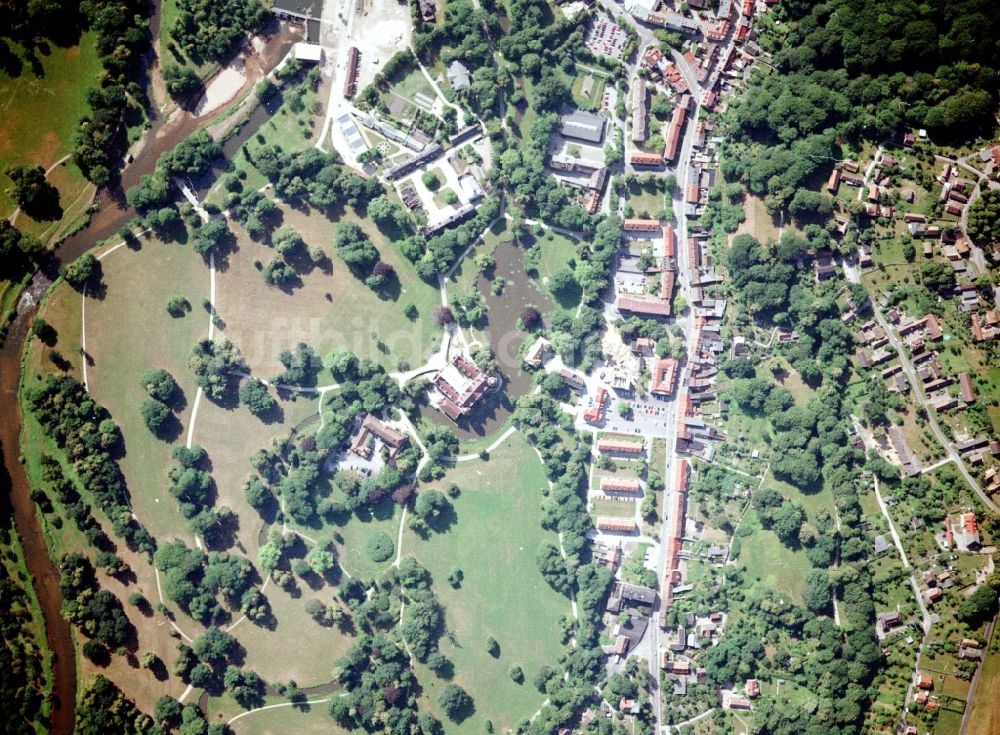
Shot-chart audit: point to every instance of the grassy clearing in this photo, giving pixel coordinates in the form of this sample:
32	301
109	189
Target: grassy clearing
412	84
330	310
494	541
352	535
231	436
297	648
40	115
769	562
814	503
758	222
614	509
62	309
557	251
304	720
948	722
645	200
129	332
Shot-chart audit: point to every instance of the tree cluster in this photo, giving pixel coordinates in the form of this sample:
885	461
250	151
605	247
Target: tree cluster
209	30
122	33
90	439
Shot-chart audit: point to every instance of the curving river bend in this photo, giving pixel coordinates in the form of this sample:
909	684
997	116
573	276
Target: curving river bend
113	213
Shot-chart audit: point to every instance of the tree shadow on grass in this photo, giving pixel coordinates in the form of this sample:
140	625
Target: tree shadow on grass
177	401
274	415
390	289
444	520
170	429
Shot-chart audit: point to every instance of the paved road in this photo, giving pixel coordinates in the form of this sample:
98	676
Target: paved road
685	273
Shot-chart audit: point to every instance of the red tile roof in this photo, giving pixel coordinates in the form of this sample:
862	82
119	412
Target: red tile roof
652	307
669	241
969	523
674	133
664	376
625	447
645	159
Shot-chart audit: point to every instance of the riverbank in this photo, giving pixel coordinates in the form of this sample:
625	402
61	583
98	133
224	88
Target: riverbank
111	214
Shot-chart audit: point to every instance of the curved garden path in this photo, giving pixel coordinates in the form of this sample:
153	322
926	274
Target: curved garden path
436	362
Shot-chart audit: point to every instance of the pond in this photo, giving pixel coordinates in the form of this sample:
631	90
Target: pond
505	340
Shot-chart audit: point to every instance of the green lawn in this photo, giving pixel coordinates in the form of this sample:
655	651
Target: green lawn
39	117
129	332
614	508
592	99
354	531
308	720
289	130
414	82
645	200
330	309
557	251
494	540
948	722
813	503
297	647
768	561
985	716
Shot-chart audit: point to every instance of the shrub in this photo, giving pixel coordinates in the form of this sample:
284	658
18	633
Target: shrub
430	180
178	306
379	547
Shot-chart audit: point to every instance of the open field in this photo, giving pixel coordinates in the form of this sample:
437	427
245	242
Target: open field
62	310
131	309
614	508
40	115
645	200
771	563
231	435
351	533
328	309
303	720
758	222
297	648
128	332
814	503
494	540
412	84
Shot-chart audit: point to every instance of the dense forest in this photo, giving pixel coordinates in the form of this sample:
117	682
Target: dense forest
850	69
21	660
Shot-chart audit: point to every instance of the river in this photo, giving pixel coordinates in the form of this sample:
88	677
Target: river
113	213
